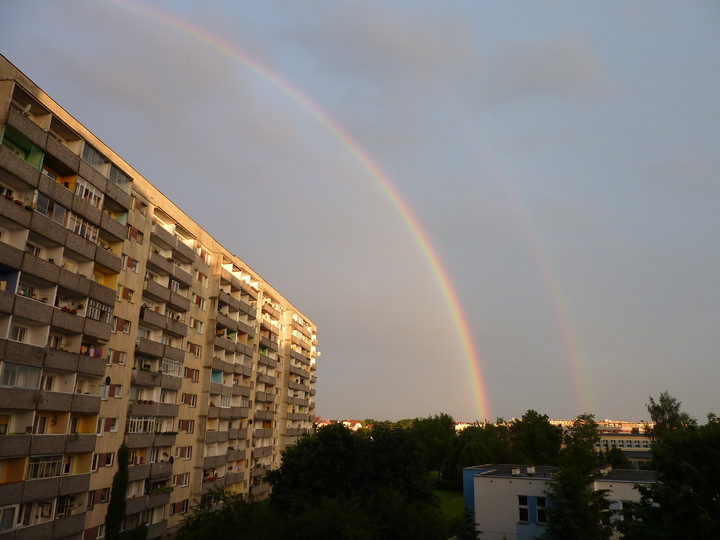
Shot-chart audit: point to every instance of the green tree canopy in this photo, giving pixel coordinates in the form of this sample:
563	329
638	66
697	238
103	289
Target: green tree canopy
436	436
684	502
577	510
535	439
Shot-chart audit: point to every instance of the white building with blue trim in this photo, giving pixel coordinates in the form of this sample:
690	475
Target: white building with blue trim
510	501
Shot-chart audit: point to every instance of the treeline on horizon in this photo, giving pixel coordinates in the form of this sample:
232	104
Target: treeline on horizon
379	482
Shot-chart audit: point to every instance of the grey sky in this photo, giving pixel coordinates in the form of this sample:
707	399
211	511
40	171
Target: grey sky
561	158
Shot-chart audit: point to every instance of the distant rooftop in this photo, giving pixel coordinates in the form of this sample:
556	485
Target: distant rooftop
497	470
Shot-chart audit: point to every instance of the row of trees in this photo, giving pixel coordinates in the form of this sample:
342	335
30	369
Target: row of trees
376	483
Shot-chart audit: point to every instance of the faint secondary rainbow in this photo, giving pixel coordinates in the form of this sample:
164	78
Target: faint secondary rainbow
579	380
440	274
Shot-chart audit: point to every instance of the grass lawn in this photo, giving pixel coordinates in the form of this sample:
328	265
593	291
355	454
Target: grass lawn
451	504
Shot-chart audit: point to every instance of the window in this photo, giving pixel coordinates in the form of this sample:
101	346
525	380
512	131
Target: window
99	311
523	514
116	357
18	333
189	399
186	425
171	367
196	350
100	532
181	479
199	301
7	518
44	466
139	206
224	401
93	157
131	263
121	325
197	325
541	510
193	374
184	452
20	376
127	294
179	507
174	285
54	341
140	424
80	226
88	192
202	278
32	249
49	208
117	177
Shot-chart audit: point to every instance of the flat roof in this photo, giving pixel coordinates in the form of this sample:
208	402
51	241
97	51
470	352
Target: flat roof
506	470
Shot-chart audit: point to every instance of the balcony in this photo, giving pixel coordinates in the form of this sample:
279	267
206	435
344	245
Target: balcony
260	490
182	276
68	321
144	377
162	468
264	415
114	228
183	252
138	472
108	259
149	348
23	124
261	451
265	360
35	310
213	462
242	348
178	302
156	292
226	321
224	343
272	345
264	397
267	379
17	166
97	329
171	382
43	269
162	237
159	264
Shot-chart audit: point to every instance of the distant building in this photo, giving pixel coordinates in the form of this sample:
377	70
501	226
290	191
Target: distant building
509	501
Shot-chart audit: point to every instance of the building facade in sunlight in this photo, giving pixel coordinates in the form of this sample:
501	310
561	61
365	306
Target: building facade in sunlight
123	321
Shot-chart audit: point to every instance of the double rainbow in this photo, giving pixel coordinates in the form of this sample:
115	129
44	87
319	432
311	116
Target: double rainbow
381	179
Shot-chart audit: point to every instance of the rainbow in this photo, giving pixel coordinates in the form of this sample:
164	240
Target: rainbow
420	237
579	380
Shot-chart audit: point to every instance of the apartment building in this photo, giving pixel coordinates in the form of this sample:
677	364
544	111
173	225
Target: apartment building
124	321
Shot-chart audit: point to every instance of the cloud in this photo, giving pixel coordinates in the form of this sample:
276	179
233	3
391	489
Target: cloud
559	67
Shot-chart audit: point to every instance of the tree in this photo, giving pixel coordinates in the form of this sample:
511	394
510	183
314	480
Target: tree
577	510
118	493
667	416
488	443
684	502
535	439
469	529
340	484
617	459
228	516
436	435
